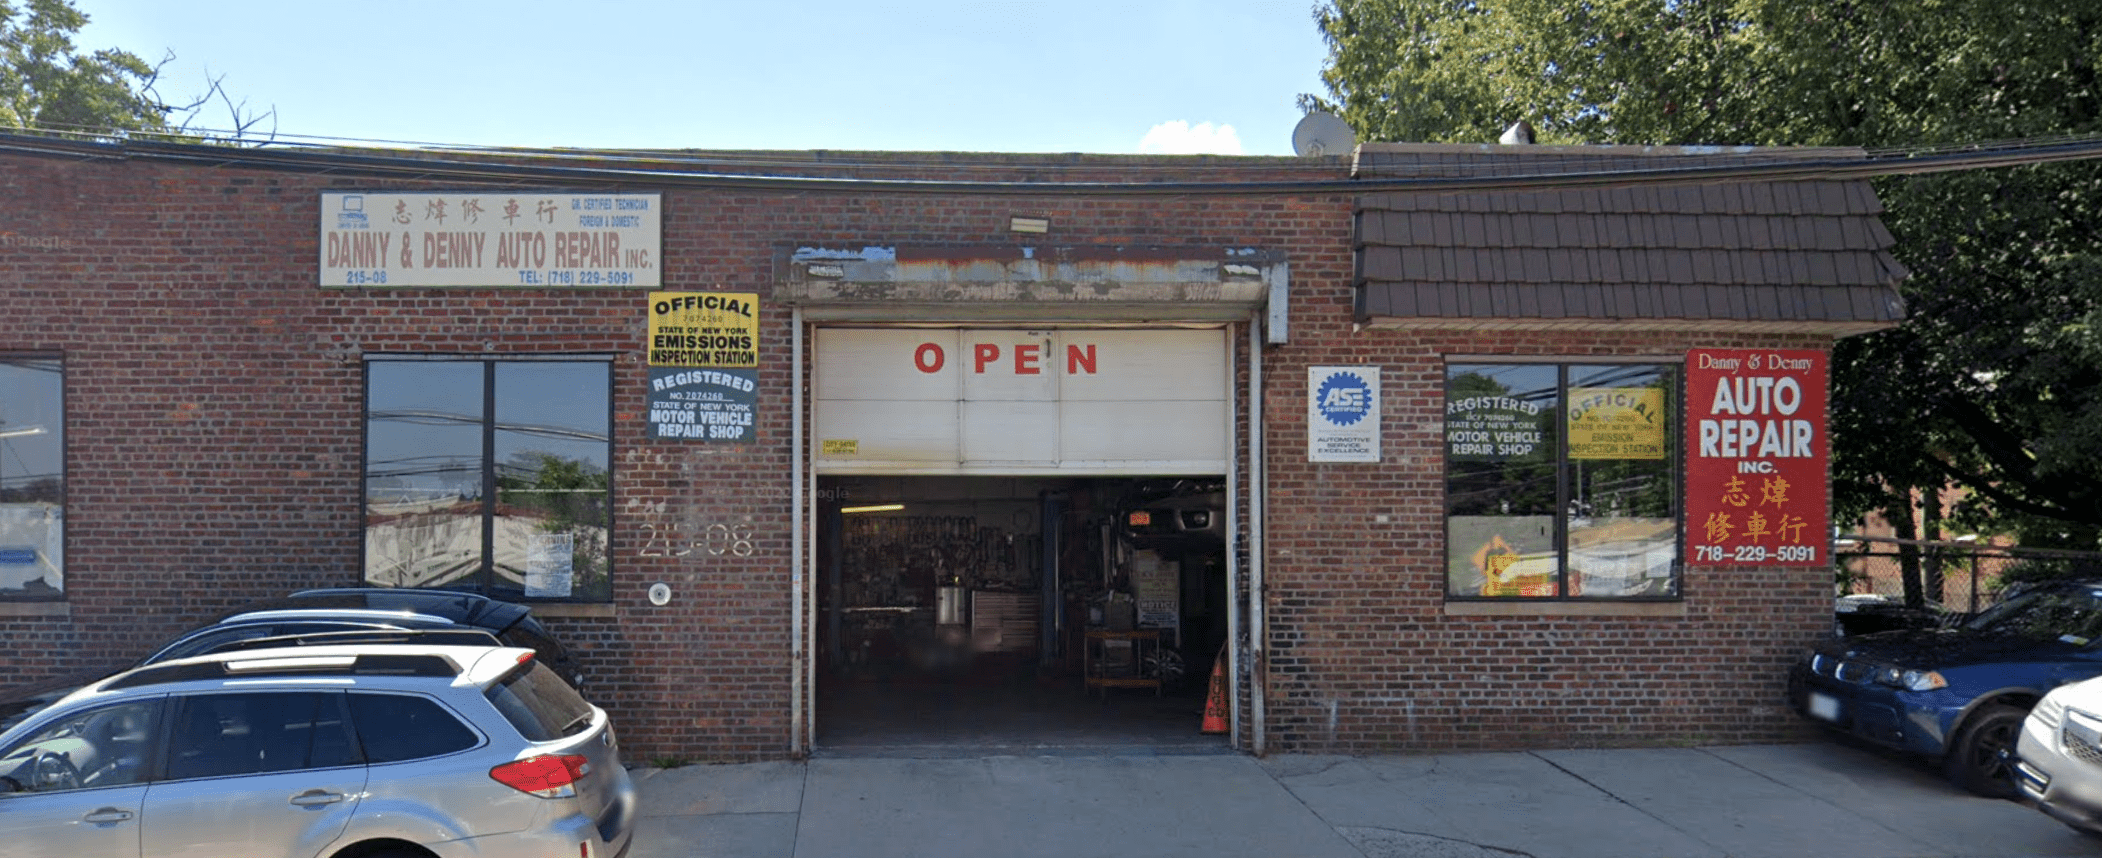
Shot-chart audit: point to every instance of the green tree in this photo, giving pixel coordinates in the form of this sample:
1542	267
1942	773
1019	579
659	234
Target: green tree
45	84
1995	381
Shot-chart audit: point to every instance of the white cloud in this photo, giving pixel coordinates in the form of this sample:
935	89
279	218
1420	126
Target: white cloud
1177	137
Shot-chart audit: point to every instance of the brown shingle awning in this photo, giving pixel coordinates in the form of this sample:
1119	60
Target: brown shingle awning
1800	255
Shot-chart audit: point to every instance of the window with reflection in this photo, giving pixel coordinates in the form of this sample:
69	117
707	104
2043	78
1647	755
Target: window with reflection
489	475
32	477
1561	480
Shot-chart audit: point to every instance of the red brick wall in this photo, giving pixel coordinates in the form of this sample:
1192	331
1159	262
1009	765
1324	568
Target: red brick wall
1363	656
214	420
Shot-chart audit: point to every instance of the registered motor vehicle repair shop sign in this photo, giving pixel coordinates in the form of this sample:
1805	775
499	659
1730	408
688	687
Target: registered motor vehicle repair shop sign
703	361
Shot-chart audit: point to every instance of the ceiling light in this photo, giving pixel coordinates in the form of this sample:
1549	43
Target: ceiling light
881	507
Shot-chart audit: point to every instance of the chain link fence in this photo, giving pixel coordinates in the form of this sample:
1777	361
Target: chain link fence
1883	583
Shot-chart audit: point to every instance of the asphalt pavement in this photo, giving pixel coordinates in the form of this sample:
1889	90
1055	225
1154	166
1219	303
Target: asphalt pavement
1742	801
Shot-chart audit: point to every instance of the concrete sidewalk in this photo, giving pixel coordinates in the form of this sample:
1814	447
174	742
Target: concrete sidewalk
1752	801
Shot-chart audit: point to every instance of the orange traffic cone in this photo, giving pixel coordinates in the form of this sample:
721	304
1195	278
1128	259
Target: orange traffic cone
1215	697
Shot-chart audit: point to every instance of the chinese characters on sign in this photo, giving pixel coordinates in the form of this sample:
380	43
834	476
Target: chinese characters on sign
1756	457
542	240
1342	414
703	358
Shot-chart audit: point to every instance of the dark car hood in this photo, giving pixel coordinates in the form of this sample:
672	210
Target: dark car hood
1934	649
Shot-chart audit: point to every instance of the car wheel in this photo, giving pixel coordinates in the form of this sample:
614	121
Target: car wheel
1982	757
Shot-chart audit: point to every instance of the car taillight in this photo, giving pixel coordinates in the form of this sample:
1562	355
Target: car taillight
548	776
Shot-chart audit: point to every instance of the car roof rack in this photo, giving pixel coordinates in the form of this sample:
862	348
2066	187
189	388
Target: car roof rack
427	637
290	664
322	612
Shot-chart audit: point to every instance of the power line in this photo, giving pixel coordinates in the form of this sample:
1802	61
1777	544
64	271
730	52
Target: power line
1773	165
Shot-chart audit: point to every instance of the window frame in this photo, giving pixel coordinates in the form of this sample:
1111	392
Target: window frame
62	439
485	577
1563	367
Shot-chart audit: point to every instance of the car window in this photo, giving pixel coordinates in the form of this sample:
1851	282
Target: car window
2071	615
540	704
243	733
397	727
100	747
529	633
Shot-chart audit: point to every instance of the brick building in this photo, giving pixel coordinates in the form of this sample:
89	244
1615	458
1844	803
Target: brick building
767	436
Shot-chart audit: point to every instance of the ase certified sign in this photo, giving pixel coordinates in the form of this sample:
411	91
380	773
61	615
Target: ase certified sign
1342	414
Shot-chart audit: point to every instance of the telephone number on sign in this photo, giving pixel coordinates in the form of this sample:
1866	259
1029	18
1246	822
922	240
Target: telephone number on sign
1756	553
576	277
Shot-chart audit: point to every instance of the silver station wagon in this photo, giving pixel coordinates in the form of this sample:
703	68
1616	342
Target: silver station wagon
369	750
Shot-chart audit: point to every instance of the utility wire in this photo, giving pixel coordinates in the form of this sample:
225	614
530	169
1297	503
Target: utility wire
1761	165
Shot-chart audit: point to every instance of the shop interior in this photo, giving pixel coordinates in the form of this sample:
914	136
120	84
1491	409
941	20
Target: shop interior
1019	612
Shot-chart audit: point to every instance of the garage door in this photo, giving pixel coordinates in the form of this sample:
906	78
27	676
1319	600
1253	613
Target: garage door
999	401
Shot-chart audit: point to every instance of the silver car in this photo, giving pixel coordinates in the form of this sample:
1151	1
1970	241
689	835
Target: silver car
2060	755
373	750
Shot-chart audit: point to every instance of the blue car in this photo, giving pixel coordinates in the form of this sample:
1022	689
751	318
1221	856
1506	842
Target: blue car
1957	694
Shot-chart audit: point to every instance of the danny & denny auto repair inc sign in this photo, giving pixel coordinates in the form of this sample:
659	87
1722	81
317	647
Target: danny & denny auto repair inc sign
1756	457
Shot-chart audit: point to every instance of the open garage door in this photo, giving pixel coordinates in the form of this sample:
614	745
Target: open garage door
1022	535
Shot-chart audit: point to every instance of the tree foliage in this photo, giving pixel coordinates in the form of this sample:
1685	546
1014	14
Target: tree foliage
46	84
1995	380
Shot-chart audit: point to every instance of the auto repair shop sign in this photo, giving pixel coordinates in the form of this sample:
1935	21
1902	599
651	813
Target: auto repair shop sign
703	359
525	239
1757	449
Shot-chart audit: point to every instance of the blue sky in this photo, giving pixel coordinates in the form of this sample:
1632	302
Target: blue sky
1078	76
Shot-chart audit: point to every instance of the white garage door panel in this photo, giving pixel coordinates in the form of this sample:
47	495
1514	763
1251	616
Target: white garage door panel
1003	365
1142	431
1139	365
890	431
1010	431
878	364
962	401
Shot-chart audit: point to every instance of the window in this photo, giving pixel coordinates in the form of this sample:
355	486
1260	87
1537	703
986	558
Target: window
1561	481
32	477
489	475
540	704
397	727
100	747
252	733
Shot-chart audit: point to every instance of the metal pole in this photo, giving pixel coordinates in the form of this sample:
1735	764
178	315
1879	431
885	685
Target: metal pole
1974	579
799	515
1257	700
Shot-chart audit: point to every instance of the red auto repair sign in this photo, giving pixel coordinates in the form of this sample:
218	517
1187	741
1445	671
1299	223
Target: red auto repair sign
1756	452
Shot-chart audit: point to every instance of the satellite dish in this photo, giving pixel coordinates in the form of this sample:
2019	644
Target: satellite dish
1323	134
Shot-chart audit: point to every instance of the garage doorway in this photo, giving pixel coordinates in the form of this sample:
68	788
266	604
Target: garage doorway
968	613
